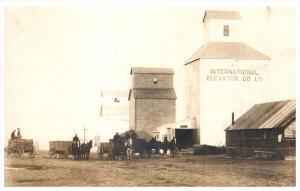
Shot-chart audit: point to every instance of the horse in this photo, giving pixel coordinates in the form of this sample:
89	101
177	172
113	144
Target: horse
172	147
76	150
85	149
165	147
130	151
140	147
151	145
119	149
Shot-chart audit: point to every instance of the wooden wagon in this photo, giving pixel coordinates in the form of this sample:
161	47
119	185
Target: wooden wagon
60	149
106	150
17	147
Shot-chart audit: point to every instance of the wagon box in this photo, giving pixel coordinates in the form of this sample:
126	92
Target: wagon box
26	143
20	146
60	148
60	145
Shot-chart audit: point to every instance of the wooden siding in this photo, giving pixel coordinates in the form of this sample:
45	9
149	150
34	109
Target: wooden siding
146	81
152	113
243	143
267	138
132	113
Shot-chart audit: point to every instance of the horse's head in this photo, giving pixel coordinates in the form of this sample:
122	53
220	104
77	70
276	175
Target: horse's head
90	143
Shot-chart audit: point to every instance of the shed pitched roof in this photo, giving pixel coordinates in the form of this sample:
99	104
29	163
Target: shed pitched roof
227	50
145	70
228	15
266	116
152	93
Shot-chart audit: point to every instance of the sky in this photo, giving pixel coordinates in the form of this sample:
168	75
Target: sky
59	59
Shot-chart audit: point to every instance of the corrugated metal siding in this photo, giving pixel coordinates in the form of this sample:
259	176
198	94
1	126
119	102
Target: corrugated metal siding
278	117
266	115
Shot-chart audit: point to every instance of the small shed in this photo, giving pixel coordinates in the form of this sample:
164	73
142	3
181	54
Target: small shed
152	99
269	127
183	131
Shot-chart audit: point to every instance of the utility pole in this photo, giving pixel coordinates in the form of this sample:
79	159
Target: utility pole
84	129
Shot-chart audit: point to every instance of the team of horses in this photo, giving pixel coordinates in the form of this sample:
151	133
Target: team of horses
129	146
81	151
125	147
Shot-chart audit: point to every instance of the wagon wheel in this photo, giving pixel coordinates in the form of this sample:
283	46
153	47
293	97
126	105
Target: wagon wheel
62	155
65	155
32	153
15	152
19	152
52	154
99	152
8	151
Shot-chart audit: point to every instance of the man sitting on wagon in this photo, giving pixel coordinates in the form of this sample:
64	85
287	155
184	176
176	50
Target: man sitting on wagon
12	135
19	134
76	139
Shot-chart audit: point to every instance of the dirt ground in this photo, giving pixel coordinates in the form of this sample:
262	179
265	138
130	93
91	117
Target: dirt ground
183	170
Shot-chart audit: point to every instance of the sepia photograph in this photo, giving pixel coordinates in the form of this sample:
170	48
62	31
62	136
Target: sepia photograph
148	94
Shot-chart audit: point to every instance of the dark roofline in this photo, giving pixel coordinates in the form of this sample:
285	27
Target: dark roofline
283	123
151	70
264	114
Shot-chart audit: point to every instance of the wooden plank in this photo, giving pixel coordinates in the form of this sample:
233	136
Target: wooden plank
60	145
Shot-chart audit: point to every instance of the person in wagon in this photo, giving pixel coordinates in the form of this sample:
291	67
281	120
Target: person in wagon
12	135
19	134
76	139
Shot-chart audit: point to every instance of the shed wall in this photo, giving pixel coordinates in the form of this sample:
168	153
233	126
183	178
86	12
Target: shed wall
244	143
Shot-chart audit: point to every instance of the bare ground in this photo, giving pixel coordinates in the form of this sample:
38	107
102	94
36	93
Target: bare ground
183	170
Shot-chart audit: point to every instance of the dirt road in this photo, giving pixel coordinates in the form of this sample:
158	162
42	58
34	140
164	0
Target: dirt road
185	170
